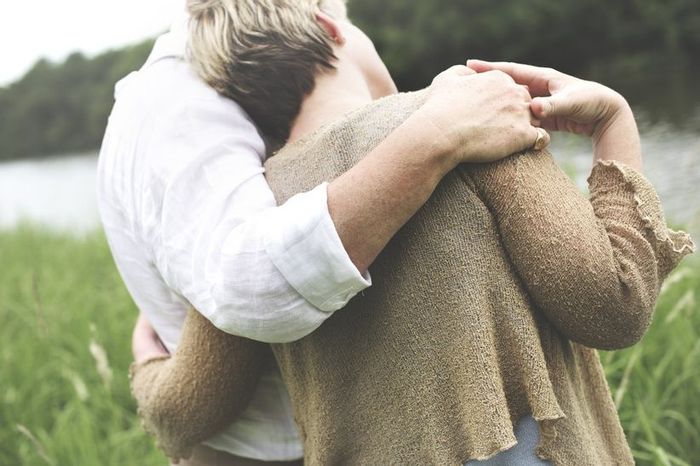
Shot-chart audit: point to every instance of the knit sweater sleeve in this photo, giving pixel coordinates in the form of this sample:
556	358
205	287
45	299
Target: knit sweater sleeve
187	398
594	267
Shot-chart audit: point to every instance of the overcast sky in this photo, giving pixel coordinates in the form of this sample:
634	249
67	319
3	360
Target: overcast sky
31	29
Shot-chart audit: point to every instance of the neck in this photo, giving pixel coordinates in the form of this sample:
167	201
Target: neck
335	93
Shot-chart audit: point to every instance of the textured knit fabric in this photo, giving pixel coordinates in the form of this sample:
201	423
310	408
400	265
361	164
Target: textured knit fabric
484	309
163	386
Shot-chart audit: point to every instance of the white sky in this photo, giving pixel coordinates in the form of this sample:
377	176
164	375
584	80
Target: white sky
31	29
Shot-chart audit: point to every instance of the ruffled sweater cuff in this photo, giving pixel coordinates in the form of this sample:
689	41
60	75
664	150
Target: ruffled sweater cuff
620	187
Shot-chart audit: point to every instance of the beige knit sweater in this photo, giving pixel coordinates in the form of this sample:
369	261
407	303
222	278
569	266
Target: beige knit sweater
185	399
484	309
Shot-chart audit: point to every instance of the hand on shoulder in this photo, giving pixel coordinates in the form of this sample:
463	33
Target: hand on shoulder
481	117
565	103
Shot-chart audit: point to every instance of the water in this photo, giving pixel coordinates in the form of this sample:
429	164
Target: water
59	193
671	162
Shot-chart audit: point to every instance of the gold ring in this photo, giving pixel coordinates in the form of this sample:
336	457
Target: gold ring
541	141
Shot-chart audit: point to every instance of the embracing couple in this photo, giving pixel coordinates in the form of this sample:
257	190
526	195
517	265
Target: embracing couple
261	163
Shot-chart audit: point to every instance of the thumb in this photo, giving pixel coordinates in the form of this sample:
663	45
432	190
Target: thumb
479	66
541	107
557	105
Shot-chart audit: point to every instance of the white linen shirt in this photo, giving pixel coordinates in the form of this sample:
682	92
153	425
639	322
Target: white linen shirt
190	219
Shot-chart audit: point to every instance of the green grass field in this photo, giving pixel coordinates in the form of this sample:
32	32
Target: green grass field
64	352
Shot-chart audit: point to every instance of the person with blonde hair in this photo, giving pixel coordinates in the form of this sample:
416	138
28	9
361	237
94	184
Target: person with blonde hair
476	344
191	220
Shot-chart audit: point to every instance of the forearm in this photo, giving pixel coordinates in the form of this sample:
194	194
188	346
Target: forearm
370	202
273	268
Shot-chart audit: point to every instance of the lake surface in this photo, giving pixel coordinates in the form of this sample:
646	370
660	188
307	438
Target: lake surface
59	193
671	162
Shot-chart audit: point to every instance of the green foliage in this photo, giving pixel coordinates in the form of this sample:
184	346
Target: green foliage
59	108
419	38
656	383
63	308
64	354
63	108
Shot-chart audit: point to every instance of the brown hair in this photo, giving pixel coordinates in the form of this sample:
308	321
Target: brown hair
263	54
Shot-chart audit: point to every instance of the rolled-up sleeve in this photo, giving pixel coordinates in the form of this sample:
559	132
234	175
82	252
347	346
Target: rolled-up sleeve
266	272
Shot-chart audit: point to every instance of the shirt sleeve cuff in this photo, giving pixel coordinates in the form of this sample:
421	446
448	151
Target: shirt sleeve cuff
305	247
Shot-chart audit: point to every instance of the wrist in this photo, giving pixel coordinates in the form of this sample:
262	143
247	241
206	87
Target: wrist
614	107
437	144
617	112
618	138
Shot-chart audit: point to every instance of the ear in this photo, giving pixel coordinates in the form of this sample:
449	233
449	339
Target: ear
331	27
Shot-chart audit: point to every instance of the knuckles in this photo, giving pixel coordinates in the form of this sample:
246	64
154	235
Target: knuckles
500	77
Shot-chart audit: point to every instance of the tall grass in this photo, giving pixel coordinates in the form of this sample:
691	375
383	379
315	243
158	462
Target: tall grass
64	313
656	384
64	353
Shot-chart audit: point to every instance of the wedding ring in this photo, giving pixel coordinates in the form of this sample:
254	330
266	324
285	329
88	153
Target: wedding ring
541	141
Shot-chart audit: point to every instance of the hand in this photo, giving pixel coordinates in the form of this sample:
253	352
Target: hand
145	342
561	102
565	103
481	117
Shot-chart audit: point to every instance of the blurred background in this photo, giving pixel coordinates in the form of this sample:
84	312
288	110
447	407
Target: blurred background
64	345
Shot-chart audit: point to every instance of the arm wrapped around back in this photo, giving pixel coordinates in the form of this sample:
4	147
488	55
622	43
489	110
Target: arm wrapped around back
185	399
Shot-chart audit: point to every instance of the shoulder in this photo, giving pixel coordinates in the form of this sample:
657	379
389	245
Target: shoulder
168	126
387	111
172	117
357	131
170	90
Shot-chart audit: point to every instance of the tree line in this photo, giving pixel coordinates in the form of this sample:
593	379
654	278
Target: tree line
575	36
63	108
60	108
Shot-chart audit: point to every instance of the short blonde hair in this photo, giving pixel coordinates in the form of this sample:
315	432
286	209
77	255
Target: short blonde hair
264	54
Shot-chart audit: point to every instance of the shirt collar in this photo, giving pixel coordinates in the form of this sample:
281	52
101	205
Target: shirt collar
171	44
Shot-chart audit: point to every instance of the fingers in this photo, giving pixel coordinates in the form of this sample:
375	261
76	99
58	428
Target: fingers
462	70
536	78
541	107
557	105
452	73
145	343
522	74
459	70
481	66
